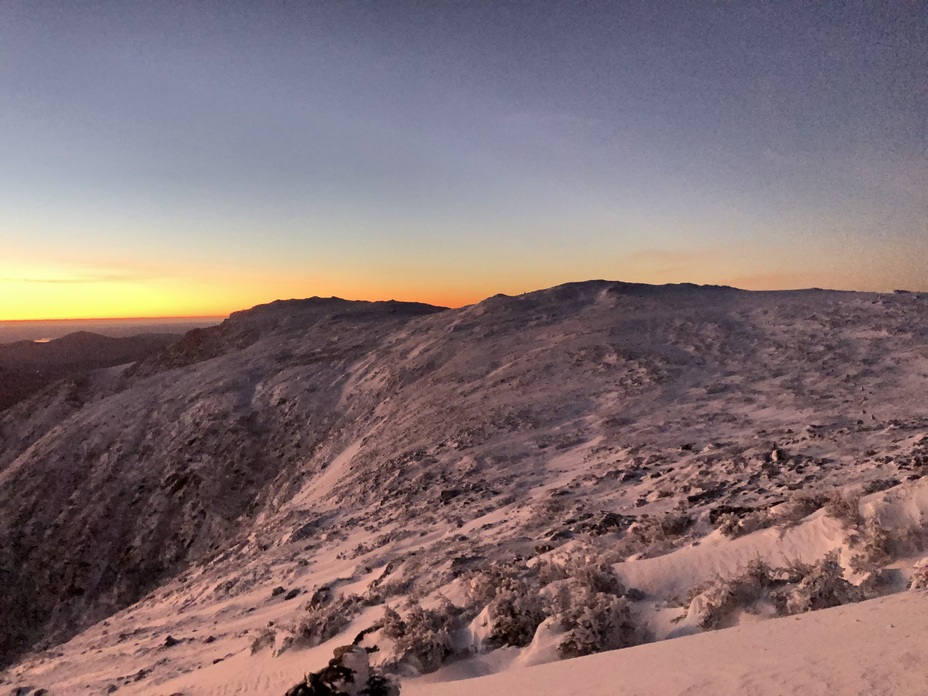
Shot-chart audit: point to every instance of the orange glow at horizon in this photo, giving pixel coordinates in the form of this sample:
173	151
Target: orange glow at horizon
123	289
186	297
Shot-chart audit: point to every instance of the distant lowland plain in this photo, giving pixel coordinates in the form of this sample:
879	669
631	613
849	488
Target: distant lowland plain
48	329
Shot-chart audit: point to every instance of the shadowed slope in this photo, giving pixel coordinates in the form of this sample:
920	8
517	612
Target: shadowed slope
27	366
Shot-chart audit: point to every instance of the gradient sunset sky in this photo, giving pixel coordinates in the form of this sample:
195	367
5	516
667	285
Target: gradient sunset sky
195	158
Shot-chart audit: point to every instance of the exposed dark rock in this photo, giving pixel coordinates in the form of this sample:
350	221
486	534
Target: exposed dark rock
347	674
716	513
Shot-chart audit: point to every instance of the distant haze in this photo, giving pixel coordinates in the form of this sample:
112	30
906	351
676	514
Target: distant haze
11	331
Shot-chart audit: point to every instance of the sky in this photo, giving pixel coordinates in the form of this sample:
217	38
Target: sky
195	158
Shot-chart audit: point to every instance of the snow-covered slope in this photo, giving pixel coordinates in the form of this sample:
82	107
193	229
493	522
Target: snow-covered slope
875	648
399	453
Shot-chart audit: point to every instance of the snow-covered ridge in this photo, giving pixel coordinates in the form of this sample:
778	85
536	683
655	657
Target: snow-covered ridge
398	453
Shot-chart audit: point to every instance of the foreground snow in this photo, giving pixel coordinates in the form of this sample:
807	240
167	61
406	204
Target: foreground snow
871	648
874	648
878	647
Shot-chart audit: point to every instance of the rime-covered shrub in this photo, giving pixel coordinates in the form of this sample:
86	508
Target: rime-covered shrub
735	526
653	535
877	544
547	572
595	575
715	603
391	588
512	600
794	590
264	638
594	623
515	614
799	507
348	674
483	586
591	609
920	575
323	621
652	528
422	638
872	543
675	524
823	586
587	600
844	506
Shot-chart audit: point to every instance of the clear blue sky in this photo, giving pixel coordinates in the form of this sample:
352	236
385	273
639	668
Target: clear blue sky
200	157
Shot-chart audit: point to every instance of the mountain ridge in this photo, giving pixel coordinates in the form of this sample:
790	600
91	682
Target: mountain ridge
29	366
302	422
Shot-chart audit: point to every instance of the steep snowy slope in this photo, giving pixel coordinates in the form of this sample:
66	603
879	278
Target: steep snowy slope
109	485
397	452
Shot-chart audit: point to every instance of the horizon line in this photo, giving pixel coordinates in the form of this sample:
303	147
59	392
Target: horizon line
150	318
451	306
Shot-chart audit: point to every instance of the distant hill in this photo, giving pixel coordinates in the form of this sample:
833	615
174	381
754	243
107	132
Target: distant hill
26	367
47	329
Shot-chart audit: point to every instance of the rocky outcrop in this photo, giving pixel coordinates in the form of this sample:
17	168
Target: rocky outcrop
348	674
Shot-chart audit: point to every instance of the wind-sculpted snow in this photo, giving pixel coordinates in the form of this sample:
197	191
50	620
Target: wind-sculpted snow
396	452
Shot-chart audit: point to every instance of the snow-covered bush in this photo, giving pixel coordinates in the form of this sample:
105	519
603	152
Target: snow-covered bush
675	524
877	542
422	638
511	597
735	526
590	607
822	586
515	613
798	507
715	603
653	535
483	585
844	506
582	591
668	526
324	621
920	575
872	543
546	572
348	674
595	575
793	590
263	639
378	594
596	622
